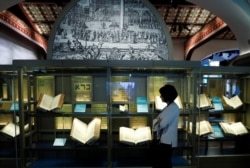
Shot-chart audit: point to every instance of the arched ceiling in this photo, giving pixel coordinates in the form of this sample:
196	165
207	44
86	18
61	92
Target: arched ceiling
236	13
183	17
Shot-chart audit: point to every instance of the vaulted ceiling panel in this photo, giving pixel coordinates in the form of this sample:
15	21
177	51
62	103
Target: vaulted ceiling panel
183	19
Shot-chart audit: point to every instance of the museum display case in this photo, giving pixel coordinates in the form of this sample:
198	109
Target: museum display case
227	115
9	117
105	96
71	113
134	99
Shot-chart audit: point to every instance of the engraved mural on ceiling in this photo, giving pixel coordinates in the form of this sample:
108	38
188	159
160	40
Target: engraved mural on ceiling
110	30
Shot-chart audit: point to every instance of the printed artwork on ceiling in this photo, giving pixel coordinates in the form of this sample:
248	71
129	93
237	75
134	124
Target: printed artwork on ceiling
110	30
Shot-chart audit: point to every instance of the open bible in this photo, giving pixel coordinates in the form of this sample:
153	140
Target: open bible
11	129
202	128
48	103
233	102
233	128
132	136
86	133
204	102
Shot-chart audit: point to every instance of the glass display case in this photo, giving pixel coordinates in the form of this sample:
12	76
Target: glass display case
63	104
103	98
119	94
134	99
9	117
227	113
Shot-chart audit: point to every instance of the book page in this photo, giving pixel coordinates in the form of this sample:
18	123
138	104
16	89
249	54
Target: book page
239	128
57	102
78	130
127	135
11	129
234	102
93	130
142	134
226	128
44	101
203	101
204	127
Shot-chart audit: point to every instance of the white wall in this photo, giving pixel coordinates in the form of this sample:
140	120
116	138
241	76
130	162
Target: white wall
14	46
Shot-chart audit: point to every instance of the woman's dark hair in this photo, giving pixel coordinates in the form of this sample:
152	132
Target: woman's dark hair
168	92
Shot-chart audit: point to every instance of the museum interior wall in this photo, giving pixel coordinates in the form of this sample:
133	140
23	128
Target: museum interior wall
18	47
14	46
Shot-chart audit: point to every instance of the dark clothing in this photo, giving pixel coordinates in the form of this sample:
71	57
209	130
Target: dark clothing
162	156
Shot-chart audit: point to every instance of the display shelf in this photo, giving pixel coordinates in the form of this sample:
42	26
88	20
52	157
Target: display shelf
104	77
9	146
219	82
103	88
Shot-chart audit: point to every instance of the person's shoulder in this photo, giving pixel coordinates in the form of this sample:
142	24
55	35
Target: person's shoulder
175	106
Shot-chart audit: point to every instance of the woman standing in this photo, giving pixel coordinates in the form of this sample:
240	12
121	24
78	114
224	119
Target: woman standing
166	126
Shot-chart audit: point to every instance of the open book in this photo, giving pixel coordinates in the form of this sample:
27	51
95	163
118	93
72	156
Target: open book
123	108
11	129
86	133
204	102
48	103
233	102
202	128
132	136
233	128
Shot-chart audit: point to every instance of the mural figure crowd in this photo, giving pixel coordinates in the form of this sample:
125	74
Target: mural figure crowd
110	30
